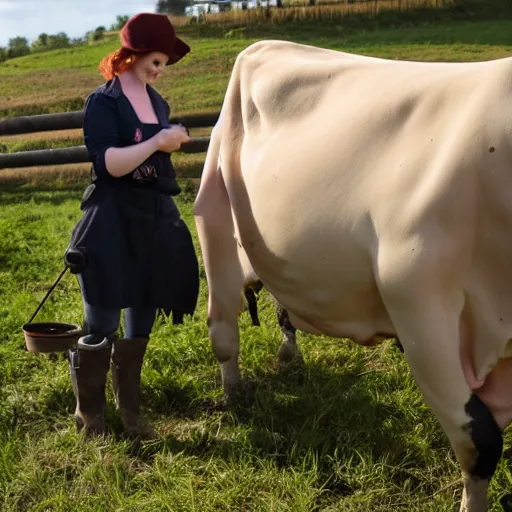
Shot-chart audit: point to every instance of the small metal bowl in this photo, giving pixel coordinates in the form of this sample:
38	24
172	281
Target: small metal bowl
51	336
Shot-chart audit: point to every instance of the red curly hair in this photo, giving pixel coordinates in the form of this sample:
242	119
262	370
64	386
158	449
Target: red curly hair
118	62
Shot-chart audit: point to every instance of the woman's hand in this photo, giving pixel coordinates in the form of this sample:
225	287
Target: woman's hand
121	161
171	139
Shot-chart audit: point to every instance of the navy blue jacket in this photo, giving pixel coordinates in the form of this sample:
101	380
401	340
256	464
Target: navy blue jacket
138	250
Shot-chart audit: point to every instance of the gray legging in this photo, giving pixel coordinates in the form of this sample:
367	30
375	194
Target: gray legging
138	321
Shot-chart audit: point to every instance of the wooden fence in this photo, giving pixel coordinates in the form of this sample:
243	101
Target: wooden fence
78	154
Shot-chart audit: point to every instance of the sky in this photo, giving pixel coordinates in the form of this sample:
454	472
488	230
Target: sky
29	18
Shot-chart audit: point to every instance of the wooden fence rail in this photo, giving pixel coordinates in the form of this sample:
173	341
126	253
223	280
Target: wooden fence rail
78	154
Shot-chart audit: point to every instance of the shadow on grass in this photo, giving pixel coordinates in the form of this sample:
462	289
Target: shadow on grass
286	416
289	416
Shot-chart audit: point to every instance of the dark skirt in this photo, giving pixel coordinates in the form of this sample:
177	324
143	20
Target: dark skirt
138	250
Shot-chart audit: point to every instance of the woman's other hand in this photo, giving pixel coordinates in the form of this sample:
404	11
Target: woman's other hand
171	139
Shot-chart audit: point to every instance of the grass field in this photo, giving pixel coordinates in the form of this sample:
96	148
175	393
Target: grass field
348	432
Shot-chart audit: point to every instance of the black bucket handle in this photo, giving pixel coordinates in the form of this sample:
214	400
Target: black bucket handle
48	294
75	260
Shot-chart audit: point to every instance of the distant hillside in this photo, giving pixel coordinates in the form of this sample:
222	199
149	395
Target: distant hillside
59	81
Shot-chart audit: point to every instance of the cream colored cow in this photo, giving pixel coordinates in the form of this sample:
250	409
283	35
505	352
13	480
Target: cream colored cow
373	197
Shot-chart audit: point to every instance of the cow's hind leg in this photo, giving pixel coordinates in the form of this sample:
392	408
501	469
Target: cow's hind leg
225	302
223	269
224	337
428	324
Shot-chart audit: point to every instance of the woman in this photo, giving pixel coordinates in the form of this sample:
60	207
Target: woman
136	252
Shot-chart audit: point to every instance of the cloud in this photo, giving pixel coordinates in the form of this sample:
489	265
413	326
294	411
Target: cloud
29	18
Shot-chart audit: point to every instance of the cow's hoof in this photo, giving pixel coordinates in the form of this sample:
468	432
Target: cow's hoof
240	396
293	369
288	353
233	396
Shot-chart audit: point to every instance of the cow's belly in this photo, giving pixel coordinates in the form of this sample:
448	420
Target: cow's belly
339	301
315	257
330	307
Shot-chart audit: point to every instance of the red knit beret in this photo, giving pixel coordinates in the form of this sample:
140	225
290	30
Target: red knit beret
148	32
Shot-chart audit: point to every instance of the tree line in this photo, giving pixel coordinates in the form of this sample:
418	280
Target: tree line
19	46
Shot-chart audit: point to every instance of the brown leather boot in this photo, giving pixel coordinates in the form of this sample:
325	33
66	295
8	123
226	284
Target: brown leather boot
88	368
127	357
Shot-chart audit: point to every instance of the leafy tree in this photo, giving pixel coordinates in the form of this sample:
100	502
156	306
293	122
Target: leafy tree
41	42
17	47
97	34
51	42
172	6
3	54
60	40
77	41
120	22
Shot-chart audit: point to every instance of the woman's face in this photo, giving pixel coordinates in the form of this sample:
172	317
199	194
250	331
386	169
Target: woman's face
148	68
